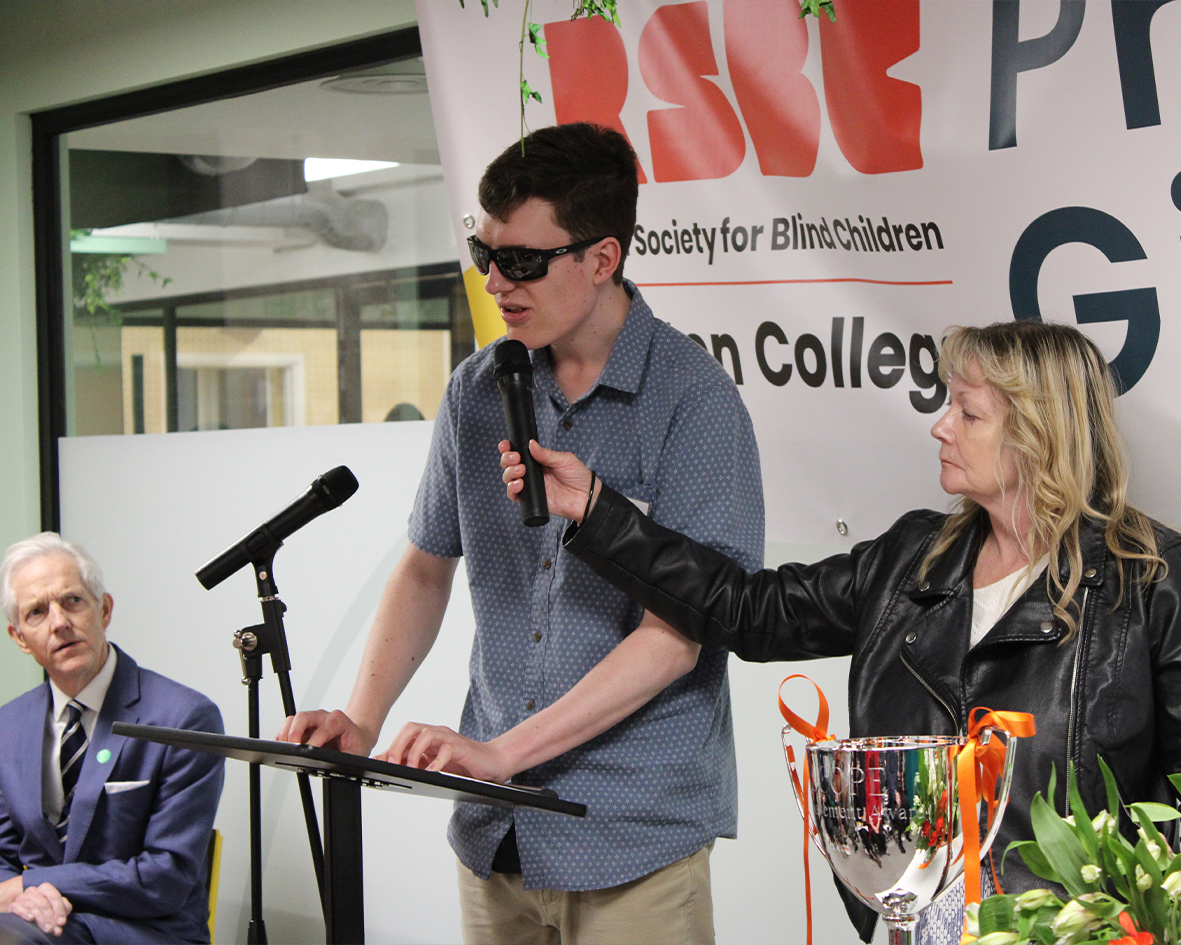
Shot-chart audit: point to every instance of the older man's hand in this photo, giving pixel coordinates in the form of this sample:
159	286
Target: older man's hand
42	905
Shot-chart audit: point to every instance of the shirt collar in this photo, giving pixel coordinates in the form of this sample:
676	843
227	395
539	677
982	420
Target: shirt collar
629	355
95	691
624	370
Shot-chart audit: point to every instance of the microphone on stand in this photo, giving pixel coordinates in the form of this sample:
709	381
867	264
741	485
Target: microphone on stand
324	494
514	376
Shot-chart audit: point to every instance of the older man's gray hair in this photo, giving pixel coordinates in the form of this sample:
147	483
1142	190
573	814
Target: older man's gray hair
39	546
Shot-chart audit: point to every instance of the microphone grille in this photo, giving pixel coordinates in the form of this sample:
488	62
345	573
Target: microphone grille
511	357
337	485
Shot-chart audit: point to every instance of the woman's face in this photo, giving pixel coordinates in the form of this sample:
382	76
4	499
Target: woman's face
969	436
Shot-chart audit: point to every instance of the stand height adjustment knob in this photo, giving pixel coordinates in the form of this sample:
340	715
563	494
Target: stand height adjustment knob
245	640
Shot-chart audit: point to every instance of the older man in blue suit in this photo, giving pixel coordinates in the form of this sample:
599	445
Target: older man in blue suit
102	838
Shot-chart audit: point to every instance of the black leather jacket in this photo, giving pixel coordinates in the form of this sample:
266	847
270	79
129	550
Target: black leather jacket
1114	689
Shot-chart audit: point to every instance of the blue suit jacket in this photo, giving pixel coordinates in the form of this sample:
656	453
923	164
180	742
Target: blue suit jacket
134	863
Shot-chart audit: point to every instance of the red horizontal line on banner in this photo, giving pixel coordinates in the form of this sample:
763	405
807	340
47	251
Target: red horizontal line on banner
664	285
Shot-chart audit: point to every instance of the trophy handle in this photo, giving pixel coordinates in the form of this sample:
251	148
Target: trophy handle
799	785
1006	782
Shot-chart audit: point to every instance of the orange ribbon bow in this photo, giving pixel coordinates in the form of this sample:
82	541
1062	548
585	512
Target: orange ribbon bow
979	765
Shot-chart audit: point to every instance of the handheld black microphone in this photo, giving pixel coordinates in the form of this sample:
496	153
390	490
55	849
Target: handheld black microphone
514	376
323	495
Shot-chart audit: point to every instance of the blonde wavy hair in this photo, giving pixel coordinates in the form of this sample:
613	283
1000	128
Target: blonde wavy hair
1060	427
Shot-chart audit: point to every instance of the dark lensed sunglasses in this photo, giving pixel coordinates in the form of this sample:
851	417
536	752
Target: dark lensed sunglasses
521	265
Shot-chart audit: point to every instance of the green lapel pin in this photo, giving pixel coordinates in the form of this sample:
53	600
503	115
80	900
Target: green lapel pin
104	756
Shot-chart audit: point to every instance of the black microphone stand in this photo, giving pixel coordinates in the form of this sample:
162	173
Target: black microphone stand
252	643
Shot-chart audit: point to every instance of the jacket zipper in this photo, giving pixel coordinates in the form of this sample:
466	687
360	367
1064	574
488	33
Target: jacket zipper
1072	720
938	698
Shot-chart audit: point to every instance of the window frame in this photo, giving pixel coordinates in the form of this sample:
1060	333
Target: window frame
49	125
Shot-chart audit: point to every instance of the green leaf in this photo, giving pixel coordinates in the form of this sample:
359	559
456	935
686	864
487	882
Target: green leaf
607	9
528	93
1156	813
1082	820
998	914
1148	862
536	40
1175	779
1113	804
1060	845
1035	860
1156	919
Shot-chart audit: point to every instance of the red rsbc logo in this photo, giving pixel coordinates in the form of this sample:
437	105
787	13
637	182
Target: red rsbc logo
876	119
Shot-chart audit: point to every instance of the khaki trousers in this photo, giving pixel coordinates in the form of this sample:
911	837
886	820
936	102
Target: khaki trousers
670	906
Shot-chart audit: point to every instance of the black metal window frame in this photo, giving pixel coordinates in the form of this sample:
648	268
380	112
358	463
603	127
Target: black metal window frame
48	127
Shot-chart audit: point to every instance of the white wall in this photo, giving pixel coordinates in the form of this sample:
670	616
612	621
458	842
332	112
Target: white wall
59	53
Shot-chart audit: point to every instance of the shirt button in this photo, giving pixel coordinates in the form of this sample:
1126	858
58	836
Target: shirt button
1047	626
911	637
536	636
567	424
547	564
530	705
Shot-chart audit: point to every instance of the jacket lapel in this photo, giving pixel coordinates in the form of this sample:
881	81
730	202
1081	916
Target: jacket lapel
935	642
120	705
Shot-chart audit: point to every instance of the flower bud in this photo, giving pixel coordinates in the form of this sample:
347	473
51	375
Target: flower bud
1153	848
1091	873
1104	823
1143	880
1033	899
999	938
1074	918
972	914
1172	885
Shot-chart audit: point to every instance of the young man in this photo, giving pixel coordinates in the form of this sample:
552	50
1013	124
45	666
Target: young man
102	838
572	687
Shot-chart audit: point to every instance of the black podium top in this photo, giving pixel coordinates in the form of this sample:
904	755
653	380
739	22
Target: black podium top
328	763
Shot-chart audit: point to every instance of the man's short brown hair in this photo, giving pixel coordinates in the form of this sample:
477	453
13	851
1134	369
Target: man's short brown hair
586	172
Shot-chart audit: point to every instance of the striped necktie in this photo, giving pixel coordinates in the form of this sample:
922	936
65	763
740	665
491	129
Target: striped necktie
73	751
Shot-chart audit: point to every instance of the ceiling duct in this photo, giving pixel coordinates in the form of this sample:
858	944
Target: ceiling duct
341	222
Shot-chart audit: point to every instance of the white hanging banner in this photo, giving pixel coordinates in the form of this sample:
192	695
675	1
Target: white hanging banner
819	201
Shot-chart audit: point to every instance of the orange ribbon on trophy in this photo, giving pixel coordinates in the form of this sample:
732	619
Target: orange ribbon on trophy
814	732
978	766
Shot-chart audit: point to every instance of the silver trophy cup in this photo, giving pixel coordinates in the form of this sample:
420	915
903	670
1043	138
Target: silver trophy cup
885	813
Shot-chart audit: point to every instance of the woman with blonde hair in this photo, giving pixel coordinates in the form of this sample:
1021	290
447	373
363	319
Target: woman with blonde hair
1043	590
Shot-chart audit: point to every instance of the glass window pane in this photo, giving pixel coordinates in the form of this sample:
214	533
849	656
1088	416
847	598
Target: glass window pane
276	259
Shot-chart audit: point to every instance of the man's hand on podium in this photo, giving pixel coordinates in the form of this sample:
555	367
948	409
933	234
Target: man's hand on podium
322	729
438	748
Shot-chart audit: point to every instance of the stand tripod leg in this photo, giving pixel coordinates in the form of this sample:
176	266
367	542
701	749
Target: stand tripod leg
256	933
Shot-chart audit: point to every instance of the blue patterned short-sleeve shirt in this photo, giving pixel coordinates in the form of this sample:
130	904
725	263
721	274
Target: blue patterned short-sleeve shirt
665	425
